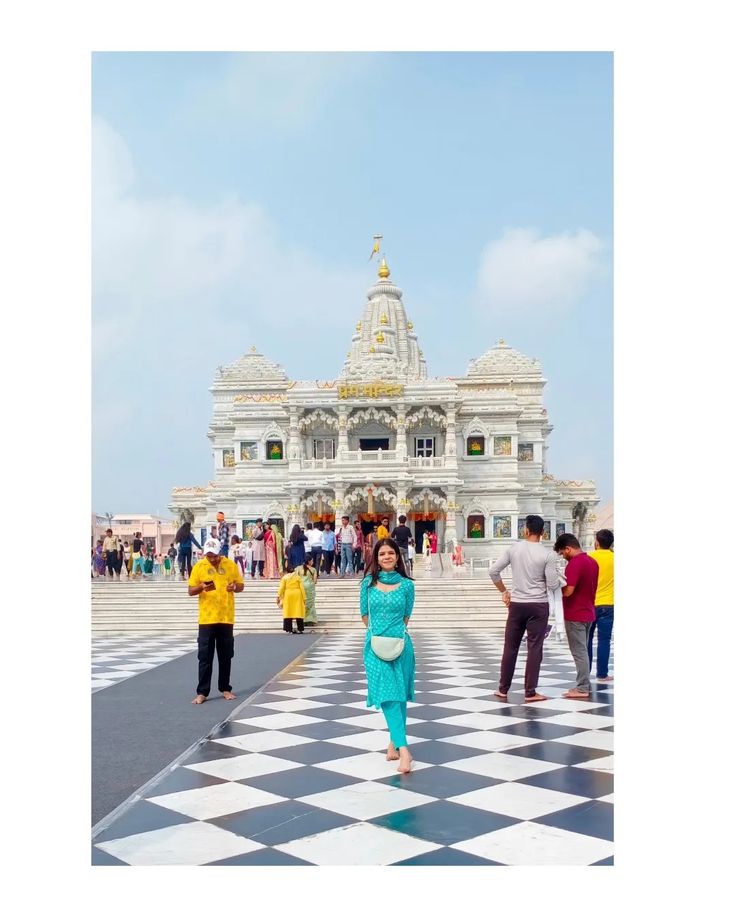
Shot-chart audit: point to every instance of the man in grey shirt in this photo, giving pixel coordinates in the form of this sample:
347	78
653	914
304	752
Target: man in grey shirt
534	569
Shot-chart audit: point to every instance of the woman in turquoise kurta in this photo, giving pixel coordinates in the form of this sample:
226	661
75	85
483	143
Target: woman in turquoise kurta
387	594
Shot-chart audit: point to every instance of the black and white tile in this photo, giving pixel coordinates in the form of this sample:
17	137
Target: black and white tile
299	775
115	658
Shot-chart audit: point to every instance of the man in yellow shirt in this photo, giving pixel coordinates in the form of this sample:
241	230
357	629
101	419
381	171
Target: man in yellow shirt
603	555
113	555
382	531
216	580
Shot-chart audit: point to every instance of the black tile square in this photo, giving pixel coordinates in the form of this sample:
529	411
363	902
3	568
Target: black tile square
578	781
141	816
444	823
296	782
559	752
441	751
602	711
211	751
103	859
326	729
524	711
281	822
314	752
538	730
430	712
336	712
264	857
433	730
606	862
440	782
180	779
231	729
592	818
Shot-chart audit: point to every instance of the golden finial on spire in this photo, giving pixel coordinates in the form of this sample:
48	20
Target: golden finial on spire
253	348
372	348
384	271
384	320
380	337
358	326
502	342
410	325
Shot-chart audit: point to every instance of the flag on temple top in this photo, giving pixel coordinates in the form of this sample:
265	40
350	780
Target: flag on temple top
376	247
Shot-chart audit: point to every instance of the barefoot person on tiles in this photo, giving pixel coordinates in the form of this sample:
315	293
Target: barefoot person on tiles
386	603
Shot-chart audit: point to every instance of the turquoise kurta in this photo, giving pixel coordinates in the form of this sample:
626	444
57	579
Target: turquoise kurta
388	680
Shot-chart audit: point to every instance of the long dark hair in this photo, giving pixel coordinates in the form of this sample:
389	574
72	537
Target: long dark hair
374	569
183	533
295	532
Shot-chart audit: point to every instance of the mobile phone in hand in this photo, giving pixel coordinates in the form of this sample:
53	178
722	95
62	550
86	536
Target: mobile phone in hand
209	585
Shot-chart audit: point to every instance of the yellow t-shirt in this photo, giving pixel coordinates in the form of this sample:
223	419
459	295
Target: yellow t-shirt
216	607
381	532
604	559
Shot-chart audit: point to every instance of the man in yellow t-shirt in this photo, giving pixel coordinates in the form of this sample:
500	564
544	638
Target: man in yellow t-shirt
216	580
603	555
382	530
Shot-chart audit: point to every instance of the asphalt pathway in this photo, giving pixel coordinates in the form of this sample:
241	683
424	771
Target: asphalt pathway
142	724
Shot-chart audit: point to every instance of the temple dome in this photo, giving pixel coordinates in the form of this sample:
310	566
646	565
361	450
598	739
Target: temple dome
252	367
384	345
502	360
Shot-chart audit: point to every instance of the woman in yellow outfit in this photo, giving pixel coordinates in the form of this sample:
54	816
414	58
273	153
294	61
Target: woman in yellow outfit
292	597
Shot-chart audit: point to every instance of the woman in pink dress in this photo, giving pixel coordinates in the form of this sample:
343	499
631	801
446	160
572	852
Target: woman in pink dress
271	569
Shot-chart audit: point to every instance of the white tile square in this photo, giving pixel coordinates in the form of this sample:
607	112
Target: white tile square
116	675
194	843
279	721
302	693
562	703
216	800
521	801
598	764
606	799
370	766
531	844
266	741
292	706
312	682
480	720
373	741
593	738
579	720
242	767
476	705
489	741
101	683
458	681
502	766
366	800
357	845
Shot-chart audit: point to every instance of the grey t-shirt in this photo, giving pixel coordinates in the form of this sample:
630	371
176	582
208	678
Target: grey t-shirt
534	568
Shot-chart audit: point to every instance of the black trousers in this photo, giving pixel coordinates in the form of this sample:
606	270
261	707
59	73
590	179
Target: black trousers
328	560
532	617
215	637
288	621
316	554
260	564
185	560
113	562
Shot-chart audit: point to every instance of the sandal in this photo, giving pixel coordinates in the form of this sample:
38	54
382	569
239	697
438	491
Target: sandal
500	695
535	698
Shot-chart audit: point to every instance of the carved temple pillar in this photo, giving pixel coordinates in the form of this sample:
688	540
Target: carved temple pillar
451	521
339	503
293	512
401	451
342	433
295	449
451	436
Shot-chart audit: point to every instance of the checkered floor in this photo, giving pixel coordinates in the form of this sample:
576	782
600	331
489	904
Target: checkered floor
115	658
300	776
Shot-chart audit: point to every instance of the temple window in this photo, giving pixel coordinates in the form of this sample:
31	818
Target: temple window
476	445
546	533
424	447
526	451
476	526
323	448
228	457
502	446
275	450
248	450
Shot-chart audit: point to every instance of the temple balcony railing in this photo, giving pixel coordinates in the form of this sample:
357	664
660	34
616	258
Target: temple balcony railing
368	458
427	462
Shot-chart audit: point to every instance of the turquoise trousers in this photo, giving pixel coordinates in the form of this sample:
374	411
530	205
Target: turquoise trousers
394	712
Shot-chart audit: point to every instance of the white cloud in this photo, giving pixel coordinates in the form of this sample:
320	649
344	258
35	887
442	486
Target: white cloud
525	272
155	256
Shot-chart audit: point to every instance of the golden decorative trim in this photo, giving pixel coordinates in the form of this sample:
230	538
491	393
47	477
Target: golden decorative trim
371	390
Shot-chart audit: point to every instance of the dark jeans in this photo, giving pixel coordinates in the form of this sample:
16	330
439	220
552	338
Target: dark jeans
215	637
185	560
328	560
358	559
260	564
113	562
533	618
604	625
316	555
299	624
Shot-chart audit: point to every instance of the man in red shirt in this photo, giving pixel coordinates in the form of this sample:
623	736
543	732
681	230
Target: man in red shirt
578	602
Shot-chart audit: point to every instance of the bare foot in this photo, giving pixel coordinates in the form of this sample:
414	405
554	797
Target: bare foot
228	695
391	752
404	761
199	699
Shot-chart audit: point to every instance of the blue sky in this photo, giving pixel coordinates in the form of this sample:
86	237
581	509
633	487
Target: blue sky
234	201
